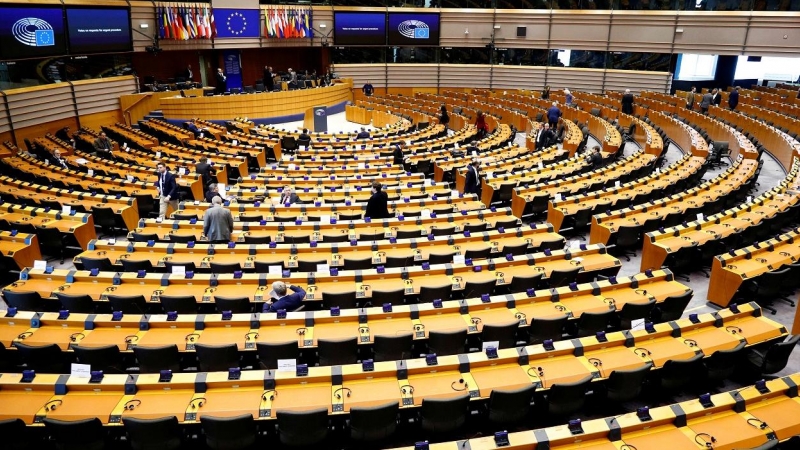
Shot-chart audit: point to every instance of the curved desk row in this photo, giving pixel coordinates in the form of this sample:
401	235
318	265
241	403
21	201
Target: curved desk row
22	248
79	226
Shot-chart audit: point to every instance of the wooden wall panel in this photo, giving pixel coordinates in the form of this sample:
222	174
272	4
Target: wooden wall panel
460	75
619	80
97	120
40	104
773	36
588	80
100	95
635	31
361	73
518	77
404	75
711	33
41	129
536	21
585	30
455	22
4	122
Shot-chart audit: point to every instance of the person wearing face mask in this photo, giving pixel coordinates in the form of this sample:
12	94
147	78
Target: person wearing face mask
377	204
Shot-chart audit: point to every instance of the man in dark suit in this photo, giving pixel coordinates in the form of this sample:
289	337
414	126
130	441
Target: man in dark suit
368	90
733	98
282	300
222	82
58	161
545	137
472	185
103	146
708	100
397	153
627	102
213	191
288	196
188	74
553	114
377	205
167	190
206	172
595	159
191	126
363	134
269	79
63	134
716	97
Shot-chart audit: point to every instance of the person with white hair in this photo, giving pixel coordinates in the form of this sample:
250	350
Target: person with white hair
568	96
627	102
217	222
279	299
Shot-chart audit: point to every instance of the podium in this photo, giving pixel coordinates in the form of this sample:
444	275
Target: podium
316	119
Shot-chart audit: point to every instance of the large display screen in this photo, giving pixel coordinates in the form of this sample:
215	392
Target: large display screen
31	31
415	29
359	28
99	30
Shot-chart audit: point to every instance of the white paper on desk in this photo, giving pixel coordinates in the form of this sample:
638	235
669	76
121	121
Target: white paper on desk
495	344
428	182
574	244
699	216
221	187
234	142
181	171
637	324
125	145
325	218
129	178
179	270
158	154
323	267
474	153
112	241
80	370
578	259
616	183
749	199
287	365
159	219
197	202
360	165
201	135
459	259
541	166
81	161
454	193
39	264
425	214
66	209
275	270
90	172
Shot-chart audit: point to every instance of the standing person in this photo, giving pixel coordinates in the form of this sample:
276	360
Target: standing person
480	124
222	81
553	114
269	79
707	100
546	93
397	153
627	102
217	223
282	301
203	168
568	96
444	118
545	137
377	205
472	184
167	190
292	79
717	97
368	89
690	98
187	74
733	98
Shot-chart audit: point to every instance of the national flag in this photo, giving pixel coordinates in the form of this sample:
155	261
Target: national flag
213	25
167	24
308	23
201	28
192	23
207	22
176	29
160	22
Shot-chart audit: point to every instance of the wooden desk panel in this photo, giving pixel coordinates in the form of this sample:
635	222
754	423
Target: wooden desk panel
229	402
730	429
23	248
302	396
78	405
658	436
437	383
780	414
160	402
506	377
22	403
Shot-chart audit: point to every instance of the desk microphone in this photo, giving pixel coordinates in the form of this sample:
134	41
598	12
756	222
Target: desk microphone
251	336
733	329
690	342
301	331
702	441
760	424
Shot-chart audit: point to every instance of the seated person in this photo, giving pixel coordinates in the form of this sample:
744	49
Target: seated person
595	159
282	301
472	148
103	146
58	161
213	191
191	126
288	196
304	139
64	135
363	134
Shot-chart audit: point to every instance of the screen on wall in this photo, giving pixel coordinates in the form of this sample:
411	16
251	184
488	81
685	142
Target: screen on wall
31	31
99	30
414	29
359	28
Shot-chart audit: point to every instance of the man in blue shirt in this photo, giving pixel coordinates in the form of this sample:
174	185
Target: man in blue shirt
368	89
288	302
553	114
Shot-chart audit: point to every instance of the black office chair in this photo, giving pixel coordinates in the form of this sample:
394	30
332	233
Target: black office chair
182	304
108	222
257	240
515	250
52	242
540	330
523	283
444	231
128	304
216	358
428	294
508	407
625	385
24	301
769	361
233	304
156	359
335	238
634	310
302	428
106	358
560	278
440	258
344	300
81	303
505	334
358	264
474	228
309	266
672	307
722	363
135	266
337	352
101	264
373	423
589	323
184	216
564	399
407	234
85	434
144	237
270	352
162	433
477	289
440	416
399	261
447	342
15	434
229	433
393	347
554	245
767	287
677	374
183	238
224	267
394	297
367	237
41	358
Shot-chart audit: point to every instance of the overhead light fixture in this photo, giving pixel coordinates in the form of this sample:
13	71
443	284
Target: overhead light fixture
144	25
322	25
497	27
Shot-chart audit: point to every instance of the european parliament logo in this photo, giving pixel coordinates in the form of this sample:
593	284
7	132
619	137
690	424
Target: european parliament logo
414	29
33	32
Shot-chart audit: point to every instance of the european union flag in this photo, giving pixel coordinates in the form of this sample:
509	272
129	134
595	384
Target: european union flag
45	38
422	33
237	23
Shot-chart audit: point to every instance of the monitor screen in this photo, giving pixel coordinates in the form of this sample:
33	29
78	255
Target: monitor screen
31	31
414	29
98	30
359	28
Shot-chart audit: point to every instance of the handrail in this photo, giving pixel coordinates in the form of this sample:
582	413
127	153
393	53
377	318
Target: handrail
126	113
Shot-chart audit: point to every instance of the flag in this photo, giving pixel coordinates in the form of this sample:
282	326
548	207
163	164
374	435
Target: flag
201	28
160	21
207	21
308	24
176	30
213	25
